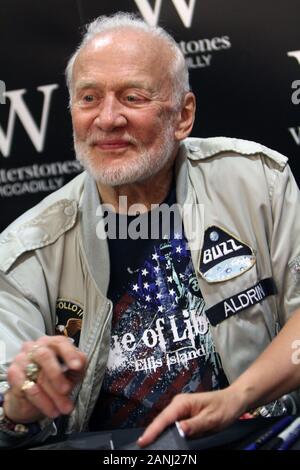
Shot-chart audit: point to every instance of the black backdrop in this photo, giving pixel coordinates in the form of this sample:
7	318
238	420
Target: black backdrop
244	58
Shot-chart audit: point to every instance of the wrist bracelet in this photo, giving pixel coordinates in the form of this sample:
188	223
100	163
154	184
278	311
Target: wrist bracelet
16	429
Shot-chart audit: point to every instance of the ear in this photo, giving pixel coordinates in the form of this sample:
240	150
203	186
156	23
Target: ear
186	117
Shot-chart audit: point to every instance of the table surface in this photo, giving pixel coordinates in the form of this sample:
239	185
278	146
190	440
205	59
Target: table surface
236	436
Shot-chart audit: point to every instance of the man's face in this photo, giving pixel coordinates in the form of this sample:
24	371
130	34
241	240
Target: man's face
122	108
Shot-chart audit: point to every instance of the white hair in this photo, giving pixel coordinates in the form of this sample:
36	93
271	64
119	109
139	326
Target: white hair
121	20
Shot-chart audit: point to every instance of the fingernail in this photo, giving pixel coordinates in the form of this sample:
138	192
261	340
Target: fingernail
180	430
140	441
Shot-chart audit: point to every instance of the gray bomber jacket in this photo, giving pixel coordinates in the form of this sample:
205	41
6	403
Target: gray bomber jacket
249	273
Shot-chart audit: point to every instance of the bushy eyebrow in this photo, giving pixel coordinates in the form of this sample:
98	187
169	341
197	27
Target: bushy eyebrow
83	85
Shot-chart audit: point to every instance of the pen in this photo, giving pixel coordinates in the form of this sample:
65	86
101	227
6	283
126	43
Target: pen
292	436
283	436
271	432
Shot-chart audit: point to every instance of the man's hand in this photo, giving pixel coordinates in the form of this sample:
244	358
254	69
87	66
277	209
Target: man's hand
50	395
196	413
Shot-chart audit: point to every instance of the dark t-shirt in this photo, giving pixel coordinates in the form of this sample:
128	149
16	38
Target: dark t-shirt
160	340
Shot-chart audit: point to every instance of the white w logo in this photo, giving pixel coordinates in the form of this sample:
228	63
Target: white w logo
19	108
295	54
2	92
152	15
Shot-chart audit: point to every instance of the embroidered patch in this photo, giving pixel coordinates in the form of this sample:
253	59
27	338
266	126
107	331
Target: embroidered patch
241	301
69	319
223	256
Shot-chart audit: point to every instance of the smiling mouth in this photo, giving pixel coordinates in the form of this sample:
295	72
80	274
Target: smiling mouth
112	145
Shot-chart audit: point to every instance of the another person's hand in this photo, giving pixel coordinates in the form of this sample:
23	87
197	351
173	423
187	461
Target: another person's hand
196	413
60	367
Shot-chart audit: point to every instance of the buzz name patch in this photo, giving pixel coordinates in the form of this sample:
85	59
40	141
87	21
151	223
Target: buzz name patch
223	256
241	301
69	319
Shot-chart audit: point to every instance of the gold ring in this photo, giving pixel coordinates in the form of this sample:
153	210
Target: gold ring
27	385
31	352
32	371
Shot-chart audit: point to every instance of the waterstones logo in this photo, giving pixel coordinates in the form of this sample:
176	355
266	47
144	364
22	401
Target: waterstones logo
36	178
296	93
198	52
151	14
295	55
18	108
2	92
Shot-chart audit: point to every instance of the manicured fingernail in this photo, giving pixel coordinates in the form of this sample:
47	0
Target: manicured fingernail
179	429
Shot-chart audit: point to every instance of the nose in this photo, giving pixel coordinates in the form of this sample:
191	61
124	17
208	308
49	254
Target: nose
110	114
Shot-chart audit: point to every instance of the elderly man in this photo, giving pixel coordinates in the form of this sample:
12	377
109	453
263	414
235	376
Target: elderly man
186	310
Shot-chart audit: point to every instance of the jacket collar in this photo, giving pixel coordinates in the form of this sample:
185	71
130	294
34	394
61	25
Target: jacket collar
95	247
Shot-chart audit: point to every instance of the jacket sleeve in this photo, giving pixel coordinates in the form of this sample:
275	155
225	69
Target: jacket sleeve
285	242
21	320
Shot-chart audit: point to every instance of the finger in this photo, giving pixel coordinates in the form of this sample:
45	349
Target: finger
59	403
51	380
19	362
177	409
28	346
68	353
41	400
194	426
37	399
16	378
201	423
52	371
63	403
62	362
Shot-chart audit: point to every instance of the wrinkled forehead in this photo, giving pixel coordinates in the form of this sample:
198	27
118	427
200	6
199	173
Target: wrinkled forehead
135	48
